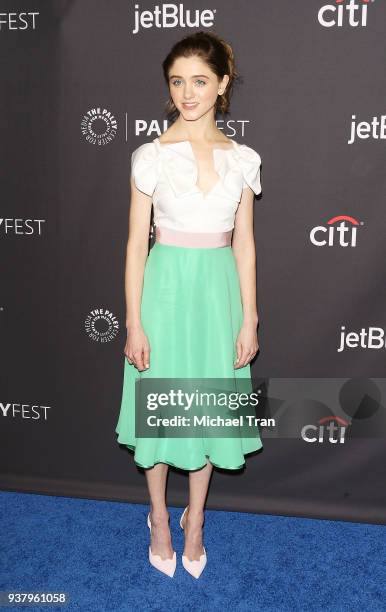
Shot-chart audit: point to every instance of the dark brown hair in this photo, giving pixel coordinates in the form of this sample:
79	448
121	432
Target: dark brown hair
213	50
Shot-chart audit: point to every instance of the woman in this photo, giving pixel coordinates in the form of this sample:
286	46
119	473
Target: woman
191	302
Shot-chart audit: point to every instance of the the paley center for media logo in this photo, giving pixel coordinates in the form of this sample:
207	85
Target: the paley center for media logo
99	126
101	325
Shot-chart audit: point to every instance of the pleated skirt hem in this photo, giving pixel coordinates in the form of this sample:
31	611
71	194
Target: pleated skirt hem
187	468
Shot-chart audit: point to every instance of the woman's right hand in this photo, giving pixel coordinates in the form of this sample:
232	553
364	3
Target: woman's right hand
137	348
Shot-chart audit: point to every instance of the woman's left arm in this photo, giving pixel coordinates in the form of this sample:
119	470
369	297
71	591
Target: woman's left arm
243	246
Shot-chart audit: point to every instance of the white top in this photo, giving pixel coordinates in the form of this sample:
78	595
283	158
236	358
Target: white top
168	173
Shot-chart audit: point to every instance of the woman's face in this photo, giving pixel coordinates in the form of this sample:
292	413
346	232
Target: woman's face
194	87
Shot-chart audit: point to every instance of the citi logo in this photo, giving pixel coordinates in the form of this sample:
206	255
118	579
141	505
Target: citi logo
340	230
329	429
172	16
352	13
372	338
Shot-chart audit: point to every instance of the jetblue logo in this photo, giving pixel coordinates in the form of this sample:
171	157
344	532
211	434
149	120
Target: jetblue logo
371	338
376	129
172	16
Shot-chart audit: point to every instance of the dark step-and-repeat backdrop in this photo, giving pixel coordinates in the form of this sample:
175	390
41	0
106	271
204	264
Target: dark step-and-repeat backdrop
81	88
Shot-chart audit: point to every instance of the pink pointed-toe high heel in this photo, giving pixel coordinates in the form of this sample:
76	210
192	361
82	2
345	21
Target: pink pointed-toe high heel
167	566
195	568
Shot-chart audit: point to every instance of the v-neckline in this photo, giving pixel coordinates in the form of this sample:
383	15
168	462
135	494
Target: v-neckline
193	156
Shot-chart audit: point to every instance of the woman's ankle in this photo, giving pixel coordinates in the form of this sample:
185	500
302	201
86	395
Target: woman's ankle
159	516
195	516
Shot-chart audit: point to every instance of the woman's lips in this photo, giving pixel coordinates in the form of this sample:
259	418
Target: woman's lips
189	104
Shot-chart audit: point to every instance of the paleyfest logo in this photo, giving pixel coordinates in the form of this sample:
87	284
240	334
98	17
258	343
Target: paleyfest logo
99	126
350	12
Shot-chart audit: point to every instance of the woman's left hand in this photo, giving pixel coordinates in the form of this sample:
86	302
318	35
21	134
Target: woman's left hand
247	345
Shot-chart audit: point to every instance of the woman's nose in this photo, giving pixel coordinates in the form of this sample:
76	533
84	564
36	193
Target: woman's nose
188	92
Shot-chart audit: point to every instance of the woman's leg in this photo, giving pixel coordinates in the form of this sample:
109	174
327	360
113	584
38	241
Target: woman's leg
194	517
161	542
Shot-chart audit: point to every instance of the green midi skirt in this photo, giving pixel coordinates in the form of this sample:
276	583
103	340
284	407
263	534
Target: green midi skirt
191	313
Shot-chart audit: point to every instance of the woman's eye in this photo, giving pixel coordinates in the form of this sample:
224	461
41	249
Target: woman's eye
199	82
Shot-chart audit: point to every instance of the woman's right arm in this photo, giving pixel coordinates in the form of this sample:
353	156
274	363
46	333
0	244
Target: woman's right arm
137	349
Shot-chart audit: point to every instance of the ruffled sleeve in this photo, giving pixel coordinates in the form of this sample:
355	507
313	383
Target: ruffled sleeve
250	162
144	167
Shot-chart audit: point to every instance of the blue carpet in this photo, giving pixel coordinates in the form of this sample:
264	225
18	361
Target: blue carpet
96	551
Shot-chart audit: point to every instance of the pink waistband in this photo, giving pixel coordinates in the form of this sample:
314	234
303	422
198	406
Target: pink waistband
165	235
